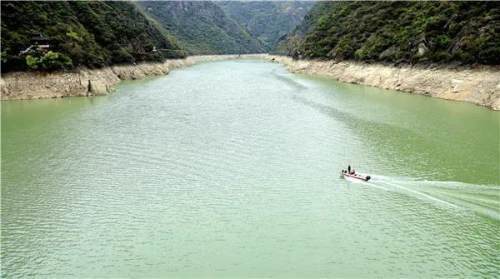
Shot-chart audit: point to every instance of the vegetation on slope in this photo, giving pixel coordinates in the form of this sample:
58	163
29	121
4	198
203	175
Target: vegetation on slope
202	27
400	32
92	34
266	20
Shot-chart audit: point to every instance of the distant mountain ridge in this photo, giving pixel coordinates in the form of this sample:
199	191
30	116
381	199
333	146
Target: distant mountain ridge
267	21
202	27
227	27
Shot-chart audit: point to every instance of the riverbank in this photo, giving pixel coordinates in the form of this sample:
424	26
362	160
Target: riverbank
190	163
90	82
479	86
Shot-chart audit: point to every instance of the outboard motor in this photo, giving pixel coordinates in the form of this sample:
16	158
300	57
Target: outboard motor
368	177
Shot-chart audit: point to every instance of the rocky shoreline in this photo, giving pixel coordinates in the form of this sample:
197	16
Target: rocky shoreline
479	86
90	82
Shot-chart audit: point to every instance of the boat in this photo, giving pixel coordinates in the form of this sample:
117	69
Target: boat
357	176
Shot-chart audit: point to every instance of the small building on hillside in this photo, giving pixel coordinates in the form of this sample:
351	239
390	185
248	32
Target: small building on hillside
39	43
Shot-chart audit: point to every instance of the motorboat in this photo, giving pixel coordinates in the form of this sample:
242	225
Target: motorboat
354	175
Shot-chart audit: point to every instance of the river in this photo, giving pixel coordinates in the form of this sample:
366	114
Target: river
231	169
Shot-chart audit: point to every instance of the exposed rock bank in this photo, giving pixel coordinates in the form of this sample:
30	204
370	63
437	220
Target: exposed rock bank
87	82
480	86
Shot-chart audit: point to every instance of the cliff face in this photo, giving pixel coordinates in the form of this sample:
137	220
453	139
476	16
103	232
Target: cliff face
479	86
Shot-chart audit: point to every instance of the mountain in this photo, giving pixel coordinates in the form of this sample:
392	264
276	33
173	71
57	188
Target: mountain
79	33
202	27
267	21
400	32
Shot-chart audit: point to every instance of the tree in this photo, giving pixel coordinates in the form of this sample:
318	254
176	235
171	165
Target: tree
49	61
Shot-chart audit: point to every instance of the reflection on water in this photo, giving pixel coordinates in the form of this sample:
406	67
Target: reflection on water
232	169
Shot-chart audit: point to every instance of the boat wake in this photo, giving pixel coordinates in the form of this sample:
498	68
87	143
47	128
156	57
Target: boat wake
482	199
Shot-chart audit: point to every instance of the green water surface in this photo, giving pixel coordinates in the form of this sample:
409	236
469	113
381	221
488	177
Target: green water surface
231	169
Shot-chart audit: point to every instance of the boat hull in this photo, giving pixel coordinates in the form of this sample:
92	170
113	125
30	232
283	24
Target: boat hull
356	177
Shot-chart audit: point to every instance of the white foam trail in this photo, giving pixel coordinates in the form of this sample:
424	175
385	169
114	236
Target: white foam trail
481	199
425	195
384	179
376	186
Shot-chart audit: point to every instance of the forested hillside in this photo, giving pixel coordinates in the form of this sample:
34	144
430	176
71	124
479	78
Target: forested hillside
75	33
62	35
400	32
202	27
267	21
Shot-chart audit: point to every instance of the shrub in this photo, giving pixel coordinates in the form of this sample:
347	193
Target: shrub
122	56
490	55
32	62
49	61
55	61
442	41
4	56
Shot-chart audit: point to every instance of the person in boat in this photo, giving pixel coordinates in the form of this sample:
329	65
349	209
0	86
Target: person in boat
350	170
